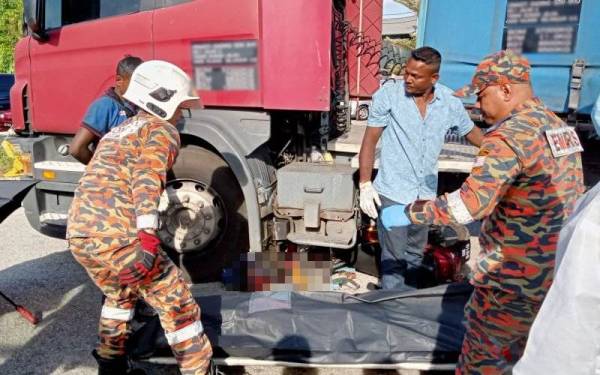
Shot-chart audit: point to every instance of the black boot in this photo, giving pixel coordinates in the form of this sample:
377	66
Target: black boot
115	366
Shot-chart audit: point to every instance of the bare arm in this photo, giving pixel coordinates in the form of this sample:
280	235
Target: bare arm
475	136
79	147
366	158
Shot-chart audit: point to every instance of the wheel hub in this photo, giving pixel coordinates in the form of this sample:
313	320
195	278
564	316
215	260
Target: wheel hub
191	215
363	113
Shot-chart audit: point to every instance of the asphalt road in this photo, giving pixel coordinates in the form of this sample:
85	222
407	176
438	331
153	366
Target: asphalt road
40	273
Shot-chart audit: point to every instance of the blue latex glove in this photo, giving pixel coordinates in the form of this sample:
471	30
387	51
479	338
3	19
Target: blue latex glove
394	216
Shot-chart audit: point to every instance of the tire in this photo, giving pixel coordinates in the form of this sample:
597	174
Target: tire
202	165
362	113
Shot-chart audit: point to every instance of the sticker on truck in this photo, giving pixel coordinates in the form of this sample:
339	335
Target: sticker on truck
534	26
225	66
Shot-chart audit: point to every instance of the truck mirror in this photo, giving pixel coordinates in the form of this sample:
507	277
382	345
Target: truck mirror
33	17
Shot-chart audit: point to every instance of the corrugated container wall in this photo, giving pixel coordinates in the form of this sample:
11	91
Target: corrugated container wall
366	17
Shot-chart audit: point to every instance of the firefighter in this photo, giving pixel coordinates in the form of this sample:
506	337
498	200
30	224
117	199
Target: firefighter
524	183
411	117
114	217
105	112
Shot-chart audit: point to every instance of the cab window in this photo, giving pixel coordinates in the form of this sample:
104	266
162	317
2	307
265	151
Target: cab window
66	12
168	3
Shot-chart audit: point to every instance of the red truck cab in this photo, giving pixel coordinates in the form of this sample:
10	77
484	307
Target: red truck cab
275	78
252	54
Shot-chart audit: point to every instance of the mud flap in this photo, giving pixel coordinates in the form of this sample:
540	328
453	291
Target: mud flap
326	328
11	195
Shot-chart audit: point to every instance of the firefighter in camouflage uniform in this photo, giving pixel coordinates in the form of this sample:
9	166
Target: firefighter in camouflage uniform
524	183
114	217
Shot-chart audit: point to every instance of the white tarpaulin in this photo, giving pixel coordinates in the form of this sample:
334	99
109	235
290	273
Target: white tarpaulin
565	337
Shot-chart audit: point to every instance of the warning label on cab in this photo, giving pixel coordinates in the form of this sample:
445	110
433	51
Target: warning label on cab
221	66
542	26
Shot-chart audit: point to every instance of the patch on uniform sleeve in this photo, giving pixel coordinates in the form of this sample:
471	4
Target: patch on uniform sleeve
480	159
563	141
125	129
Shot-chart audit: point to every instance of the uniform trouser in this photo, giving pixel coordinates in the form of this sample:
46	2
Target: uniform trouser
497	327
401	253
166	292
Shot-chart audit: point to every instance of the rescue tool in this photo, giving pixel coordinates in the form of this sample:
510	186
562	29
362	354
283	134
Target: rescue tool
25	313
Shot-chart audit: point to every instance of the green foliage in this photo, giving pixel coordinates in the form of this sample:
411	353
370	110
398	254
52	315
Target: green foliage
410	4
411	42
11	15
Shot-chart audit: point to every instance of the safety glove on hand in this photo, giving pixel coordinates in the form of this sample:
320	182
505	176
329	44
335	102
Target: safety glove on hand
369	199
394	216
142	266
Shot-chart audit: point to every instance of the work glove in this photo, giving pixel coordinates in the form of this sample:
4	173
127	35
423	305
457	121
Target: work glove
369	199
394	216
143	265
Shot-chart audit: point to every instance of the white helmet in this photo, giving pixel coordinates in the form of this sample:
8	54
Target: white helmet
159	87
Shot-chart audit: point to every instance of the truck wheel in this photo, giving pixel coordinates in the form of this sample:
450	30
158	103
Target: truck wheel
363	113
203	215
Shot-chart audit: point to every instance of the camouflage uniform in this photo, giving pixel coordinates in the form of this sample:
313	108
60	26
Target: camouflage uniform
523	193
118	195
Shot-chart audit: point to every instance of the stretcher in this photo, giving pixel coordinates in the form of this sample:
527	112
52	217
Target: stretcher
421	330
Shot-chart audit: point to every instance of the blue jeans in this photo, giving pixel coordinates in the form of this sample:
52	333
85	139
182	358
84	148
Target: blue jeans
401	254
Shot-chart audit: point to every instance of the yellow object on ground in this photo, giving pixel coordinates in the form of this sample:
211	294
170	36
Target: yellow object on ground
11	164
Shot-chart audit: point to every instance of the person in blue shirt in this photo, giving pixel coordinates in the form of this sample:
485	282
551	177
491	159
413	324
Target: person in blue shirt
411	117
105	112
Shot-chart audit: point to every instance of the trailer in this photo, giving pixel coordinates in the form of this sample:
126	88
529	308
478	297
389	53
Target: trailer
277	80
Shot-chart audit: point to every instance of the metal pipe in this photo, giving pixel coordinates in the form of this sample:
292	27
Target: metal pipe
235	361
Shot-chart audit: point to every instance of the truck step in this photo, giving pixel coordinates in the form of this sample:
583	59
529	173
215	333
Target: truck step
455	158
53	218
62	166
